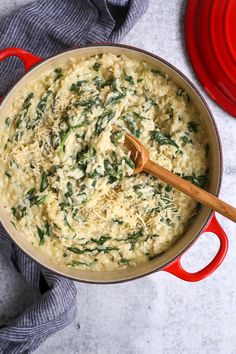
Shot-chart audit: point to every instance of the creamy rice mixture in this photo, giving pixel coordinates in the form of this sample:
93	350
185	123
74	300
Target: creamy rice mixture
66	178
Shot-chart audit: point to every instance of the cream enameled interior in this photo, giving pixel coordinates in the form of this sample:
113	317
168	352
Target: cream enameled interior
214	177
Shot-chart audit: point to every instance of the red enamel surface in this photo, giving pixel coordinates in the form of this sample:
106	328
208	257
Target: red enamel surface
210	30
27	58
176	268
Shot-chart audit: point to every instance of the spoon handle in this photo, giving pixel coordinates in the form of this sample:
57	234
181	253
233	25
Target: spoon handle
191	190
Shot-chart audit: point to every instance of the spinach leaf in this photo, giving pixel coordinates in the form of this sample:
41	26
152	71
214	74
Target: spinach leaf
19	212
135	235
48	229
169	110
39	200
186	139
58	74
69	192
18	135
137	189
116	97
103	120
96	66
118	221
101	240
162	139
109	169
77	263
25	108
139	116
181	93
168	188
87	250
131	125
42	103
129	162
199	181
75	87
129	79
98	82
148	105
116	135
84	123
44	182
124	261
63	136
88	104
8	121
35	199
207	149
27	102
40	111
106	250
112	170
112	83
193	127
30	194
82	197
52	171
85	156
56	226
95	174
158	72
7	174
41	236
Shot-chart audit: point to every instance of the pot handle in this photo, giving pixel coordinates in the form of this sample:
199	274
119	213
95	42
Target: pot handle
176	268
27	58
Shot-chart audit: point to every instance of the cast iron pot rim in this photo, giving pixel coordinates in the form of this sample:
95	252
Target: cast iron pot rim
203	101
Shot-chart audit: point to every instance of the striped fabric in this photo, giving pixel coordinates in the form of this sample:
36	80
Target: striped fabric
45	28
48	27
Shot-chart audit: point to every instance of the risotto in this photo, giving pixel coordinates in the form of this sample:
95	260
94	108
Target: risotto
66	178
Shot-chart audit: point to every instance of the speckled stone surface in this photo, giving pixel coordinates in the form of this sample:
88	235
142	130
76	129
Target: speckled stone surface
159	313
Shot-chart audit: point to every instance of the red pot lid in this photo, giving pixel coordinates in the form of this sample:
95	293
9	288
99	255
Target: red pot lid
210	30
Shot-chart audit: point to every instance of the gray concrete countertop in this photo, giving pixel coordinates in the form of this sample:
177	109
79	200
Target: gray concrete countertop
158	313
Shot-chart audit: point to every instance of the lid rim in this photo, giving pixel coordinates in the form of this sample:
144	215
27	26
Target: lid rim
212	75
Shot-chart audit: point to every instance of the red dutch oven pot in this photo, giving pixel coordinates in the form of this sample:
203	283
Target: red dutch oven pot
205	221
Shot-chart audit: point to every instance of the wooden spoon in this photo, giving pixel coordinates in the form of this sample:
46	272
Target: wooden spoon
140	157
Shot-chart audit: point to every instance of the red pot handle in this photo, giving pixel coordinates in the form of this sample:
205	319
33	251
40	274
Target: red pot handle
176	268
27	58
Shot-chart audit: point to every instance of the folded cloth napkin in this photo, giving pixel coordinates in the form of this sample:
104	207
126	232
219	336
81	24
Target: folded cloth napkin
45	28
48	27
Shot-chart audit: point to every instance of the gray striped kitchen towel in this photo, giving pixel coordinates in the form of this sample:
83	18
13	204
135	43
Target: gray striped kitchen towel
46	28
